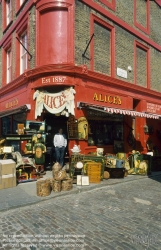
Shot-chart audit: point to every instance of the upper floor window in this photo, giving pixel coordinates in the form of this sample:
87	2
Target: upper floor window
102	52
142	15
142	65
8	11
9	65
21	2
23	53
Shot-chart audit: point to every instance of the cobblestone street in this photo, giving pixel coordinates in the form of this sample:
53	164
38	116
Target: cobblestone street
121	216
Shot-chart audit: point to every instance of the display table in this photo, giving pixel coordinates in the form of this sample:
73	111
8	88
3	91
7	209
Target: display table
75	158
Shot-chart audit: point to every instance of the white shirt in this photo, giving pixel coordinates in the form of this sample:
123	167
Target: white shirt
60	141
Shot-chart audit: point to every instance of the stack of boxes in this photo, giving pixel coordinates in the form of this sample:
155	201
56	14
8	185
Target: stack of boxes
7	174
94	172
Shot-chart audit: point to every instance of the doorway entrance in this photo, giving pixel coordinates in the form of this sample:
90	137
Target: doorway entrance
53	124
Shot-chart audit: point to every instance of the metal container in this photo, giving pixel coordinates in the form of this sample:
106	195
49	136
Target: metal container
120	163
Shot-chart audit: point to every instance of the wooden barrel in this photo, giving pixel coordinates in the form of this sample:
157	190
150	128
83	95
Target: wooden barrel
56	186
43	188
60	175
106	175
67	184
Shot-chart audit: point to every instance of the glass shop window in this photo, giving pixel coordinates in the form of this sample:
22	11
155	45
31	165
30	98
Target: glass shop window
6	125
18	119
105	132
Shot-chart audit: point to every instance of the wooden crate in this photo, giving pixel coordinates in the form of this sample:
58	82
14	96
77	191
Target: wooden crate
94	179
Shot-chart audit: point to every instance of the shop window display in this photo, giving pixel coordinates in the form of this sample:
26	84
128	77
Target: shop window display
105	132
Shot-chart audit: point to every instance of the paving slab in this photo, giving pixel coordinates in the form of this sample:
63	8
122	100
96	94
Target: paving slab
25	194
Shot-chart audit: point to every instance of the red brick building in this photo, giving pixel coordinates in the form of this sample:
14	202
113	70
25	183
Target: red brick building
89	66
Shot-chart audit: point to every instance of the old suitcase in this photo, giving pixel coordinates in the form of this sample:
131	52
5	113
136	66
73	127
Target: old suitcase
116	172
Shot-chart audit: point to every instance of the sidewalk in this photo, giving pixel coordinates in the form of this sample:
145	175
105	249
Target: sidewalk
24	194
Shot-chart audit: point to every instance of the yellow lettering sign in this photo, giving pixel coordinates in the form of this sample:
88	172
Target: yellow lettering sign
95	98
11	103
107	98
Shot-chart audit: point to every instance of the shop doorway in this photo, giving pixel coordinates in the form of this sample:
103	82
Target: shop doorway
53	123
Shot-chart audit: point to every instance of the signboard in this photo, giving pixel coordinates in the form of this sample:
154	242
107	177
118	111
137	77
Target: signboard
82	128
55	103
153	108
72	127
122	73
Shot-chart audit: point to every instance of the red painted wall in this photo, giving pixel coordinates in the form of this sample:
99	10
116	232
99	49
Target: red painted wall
53	36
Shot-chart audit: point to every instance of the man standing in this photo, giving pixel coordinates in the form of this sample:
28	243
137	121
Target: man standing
60	143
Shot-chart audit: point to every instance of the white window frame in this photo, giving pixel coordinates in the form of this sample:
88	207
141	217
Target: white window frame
23	53
21	2
8	11
9	65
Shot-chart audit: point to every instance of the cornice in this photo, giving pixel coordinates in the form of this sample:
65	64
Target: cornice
77	72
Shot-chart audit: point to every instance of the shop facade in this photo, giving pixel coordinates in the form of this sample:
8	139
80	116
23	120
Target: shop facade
92	112
87	67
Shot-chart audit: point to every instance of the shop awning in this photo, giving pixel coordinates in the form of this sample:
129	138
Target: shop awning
117	110
20	109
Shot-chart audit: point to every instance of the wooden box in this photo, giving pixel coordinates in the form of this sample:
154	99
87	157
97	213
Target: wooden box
94	179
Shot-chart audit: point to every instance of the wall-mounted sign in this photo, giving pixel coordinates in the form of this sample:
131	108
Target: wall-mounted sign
53	79
61	102
122	73
82	128
107	99
153	108
72	126
11	103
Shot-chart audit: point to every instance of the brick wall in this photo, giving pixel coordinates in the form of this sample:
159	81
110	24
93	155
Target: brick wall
124	41
125	52
32	36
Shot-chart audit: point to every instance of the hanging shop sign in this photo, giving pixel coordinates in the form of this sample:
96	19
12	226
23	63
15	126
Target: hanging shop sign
107	99
57	103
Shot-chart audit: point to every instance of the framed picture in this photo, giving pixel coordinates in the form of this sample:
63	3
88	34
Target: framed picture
79	180
85	180
118	146
8	149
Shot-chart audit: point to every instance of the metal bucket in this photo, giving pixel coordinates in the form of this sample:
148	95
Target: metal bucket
120	163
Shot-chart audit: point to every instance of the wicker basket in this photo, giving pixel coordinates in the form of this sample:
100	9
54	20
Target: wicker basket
43	188
56	167
67	184
56	186
60	175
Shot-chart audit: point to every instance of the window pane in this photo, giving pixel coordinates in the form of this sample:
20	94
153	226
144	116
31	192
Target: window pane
8	11
23	53
6	125
9	59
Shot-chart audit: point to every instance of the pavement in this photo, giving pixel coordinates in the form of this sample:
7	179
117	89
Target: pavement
25	194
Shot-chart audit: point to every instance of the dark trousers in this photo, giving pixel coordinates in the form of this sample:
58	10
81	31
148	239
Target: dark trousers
59	155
